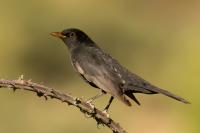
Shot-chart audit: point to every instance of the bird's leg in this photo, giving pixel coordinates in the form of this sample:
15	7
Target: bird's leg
108	105
95	97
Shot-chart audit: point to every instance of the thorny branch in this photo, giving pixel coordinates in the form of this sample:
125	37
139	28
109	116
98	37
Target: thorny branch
46	92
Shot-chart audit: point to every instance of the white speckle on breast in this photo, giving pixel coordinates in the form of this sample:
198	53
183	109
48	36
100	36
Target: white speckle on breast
119	75
123	81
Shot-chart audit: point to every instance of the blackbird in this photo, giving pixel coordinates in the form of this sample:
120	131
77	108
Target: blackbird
102	71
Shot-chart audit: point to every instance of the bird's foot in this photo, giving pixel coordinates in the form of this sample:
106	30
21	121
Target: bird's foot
90	103
105	112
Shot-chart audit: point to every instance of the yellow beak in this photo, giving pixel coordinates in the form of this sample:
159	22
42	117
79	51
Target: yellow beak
58	34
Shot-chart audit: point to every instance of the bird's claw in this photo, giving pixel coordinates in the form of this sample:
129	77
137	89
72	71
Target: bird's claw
105	112
90	103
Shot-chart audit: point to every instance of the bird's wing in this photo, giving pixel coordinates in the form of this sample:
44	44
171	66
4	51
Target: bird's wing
96	69
131	83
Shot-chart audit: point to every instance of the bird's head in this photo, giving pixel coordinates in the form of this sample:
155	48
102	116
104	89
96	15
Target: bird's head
74	38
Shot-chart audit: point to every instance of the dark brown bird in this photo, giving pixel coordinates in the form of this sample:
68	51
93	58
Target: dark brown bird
101	71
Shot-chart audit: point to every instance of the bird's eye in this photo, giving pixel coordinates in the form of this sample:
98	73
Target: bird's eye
72	34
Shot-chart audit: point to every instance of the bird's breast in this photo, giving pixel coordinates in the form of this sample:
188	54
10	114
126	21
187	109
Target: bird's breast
78	68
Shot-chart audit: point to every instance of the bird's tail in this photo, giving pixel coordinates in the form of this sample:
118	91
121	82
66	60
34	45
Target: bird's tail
167	93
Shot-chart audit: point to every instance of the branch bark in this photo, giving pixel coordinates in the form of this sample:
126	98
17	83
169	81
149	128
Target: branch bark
46	92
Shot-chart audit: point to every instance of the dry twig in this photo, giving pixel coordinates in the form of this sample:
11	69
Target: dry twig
84	107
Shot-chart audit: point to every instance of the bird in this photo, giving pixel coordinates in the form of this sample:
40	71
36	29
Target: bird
102	71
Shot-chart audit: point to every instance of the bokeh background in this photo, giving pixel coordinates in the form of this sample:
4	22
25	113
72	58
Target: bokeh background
158	39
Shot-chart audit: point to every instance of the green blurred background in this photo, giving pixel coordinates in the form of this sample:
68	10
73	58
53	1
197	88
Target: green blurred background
158	39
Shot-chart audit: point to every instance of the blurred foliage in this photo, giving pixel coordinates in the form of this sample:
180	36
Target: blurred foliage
157	39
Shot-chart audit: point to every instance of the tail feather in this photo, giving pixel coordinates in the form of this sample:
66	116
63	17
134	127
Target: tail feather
167	93
130	94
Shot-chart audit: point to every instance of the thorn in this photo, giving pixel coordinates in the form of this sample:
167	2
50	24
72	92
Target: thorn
39	94
69	103
83	111
51	96
14	89
45	96
99	123
110	121
21	77
51	91
77	101
12	86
